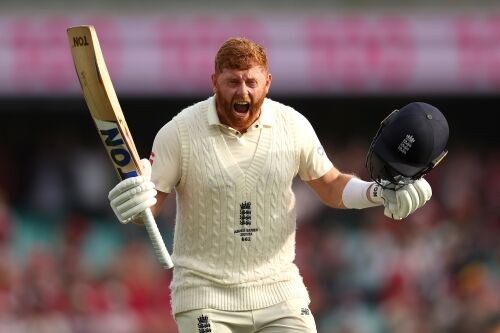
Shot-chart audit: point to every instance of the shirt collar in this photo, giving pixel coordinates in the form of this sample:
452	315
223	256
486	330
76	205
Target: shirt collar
213	118
266	116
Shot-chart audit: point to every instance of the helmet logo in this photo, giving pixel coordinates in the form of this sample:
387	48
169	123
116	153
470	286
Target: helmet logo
406	144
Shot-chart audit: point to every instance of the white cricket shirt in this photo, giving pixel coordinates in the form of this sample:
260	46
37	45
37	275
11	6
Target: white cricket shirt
234	242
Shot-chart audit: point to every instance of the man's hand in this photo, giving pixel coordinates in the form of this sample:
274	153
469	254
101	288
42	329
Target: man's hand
132	196
401	202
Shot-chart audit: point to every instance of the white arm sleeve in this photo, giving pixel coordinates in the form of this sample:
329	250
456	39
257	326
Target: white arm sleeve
166	158
355	194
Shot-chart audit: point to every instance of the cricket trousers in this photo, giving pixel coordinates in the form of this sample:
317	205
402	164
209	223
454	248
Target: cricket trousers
292	316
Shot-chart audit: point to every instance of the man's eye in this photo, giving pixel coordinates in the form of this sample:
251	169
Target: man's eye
252	84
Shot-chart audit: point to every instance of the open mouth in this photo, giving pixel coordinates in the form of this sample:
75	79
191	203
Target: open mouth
241	107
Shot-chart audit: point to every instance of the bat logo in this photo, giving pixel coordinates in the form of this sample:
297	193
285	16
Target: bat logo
117	149
80	41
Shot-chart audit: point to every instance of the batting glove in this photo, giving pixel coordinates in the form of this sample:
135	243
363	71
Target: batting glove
132	196
400	203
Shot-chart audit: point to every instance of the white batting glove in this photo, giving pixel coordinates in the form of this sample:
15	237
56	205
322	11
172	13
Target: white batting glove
400	203
132	196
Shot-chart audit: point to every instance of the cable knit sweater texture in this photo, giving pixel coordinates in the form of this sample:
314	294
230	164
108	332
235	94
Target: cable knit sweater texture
222	260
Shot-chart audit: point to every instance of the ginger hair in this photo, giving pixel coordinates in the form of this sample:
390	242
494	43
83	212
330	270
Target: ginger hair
240	53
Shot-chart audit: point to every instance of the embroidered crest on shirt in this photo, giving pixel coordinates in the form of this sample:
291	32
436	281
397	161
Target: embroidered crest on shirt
245	221
204	324
245	213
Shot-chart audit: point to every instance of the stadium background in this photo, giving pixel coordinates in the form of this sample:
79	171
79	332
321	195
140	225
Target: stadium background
66	265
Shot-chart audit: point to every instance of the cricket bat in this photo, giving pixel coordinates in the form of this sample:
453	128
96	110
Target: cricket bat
105	109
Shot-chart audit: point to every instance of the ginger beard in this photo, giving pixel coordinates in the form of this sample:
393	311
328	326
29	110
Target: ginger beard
239	95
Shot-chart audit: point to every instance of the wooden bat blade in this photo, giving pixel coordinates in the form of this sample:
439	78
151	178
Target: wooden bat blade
102	101
103	105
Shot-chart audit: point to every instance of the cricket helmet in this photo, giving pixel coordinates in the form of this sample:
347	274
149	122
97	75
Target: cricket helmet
409	143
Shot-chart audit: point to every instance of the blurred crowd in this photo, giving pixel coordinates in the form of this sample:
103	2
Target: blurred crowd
67	266
436	271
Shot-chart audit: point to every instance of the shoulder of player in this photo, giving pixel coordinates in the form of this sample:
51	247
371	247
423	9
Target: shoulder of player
197	107
285	112
171	132
168	132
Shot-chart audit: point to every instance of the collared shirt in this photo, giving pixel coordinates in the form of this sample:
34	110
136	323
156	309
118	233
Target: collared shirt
248	216
241	145
166	153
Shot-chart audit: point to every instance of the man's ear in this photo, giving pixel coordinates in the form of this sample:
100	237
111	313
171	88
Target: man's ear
268	82
214	81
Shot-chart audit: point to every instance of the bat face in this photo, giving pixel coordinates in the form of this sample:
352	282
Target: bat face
117	150
108	117
102	101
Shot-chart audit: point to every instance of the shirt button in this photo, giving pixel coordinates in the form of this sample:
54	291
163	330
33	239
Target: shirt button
256	126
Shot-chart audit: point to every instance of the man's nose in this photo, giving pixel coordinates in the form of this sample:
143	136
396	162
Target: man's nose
242	89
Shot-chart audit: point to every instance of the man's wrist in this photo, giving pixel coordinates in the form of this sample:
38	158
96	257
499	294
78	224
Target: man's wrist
356	194
374	194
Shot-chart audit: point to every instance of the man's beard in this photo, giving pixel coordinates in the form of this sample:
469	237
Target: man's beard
227	107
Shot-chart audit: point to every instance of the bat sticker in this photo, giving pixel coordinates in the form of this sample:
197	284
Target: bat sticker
118	150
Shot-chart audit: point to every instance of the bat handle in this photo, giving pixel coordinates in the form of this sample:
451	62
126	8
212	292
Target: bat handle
155	236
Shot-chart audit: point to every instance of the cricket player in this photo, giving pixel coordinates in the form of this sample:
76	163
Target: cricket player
231	160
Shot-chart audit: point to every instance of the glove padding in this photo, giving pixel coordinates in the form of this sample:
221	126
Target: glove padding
400	203
132	196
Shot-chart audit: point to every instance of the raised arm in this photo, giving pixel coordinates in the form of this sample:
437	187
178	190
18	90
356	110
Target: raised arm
330	187
339	190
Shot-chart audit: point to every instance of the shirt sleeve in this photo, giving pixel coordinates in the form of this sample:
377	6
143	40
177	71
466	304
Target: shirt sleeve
314	163
166	158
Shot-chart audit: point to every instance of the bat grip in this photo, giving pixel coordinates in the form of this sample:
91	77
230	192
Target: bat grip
155	236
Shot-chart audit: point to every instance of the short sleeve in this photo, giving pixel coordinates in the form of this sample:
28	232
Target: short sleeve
166	158
314	163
